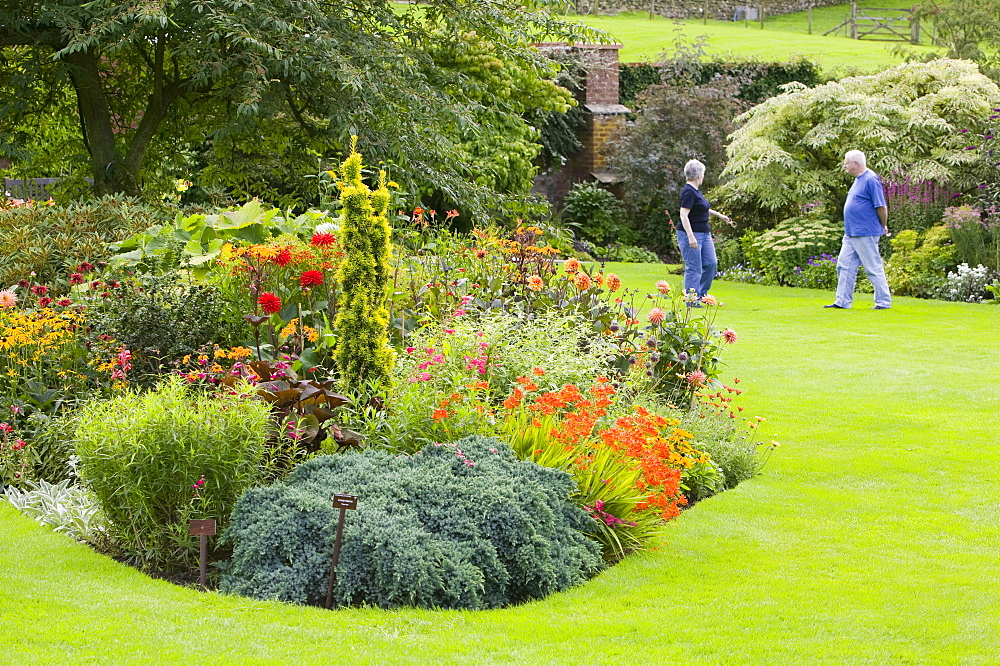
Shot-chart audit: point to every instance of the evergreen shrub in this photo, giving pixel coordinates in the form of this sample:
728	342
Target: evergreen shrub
159	318
919	261
595	213
465	525
363	352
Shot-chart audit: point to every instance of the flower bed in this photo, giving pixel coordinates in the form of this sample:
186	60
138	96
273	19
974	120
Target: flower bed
229	352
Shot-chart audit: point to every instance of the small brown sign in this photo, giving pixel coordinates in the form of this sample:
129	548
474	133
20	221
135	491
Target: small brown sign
345	501
203	527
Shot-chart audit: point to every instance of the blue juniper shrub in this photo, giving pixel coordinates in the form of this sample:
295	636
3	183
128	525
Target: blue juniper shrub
462	525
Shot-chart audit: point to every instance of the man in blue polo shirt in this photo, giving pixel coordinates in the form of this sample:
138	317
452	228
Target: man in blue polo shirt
865	217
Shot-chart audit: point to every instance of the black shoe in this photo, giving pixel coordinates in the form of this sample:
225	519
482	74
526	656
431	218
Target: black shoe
881	307
835	306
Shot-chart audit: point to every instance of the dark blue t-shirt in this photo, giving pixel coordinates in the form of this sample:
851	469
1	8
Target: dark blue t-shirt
695	201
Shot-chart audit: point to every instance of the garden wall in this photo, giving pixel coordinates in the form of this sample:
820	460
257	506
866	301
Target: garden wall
717	9
598	97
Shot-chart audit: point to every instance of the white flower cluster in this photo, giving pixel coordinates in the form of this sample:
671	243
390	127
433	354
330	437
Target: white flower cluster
967	284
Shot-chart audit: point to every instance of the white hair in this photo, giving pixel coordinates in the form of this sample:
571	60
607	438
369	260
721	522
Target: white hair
856	156
693	169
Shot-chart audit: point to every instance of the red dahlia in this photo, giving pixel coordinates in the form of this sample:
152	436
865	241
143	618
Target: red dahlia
323	239
269	303
311	278
282	258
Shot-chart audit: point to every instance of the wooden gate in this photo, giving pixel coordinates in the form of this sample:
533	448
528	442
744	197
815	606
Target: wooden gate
881	24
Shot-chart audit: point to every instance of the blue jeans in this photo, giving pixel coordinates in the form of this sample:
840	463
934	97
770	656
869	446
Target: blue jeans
700	263
861	251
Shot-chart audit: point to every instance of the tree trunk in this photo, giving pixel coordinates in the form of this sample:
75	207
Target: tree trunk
110	172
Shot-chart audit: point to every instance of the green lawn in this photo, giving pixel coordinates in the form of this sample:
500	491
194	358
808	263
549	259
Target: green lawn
783	37
871	537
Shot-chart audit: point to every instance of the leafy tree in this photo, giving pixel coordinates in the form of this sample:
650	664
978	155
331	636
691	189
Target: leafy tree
911	121
227	81
678	120
968	29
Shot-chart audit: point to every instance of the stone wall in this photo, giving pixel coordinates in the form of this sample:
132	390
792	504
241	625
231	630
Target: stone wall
723	10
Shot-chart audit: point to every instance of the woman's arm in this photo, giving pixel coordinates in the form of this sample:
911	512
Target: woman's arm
724	218
686	223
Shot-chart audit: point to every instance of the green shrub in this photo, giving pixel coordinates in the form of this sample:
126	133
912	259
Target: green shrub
454	526
143	456
792	243
159	318
50	441
595	212
976	236
919	261
50	241
758	80
630	254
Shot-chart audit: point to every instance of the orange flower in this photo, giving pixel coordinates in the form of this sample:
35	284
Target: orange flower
535	283
439	414
538	372
572	265
582	281
663	287
614	282
514	400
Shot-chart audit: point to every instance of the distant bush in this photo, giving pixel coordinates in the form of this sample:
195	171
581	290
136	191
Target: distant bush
919	261
159	318
465	525
630	254
595	213
50	241
759	80
791	244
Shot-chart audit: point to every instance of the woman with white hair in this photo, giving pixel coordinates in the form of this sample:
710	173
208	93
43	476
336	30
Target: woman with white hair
694	237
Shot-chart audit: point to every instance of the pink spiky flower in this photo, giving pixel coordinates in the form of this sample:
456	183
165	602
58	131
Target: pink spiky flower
696	378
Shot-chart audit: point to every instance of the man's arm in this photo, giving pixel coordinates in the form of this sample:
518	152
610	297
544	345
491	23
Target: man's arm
883	217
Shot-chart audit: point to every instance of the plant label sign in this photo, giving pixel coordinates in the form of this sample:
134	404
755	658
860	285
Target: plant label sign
203	527
345	501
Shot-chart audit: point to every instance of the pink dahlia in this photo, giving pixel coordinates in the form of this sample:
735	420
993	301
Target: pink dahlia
696	378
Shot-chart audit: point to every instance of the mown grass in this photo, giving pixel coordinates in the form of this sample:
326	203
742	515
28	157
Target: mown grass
869	539
783	37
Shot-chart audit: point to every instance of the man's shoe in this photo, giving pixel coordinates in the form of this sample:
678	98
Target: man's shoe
881	307
835	306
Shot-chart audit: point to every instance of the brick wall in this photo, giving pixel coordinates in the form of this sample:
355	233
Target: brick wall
605	115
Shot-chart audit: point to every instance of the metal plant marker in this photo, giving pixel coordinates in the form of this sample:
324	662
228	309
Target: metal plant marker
342	502
203	529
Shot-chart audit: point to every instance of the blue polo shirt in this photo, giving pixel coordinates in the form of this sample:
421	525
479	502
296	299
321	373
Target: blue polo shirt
865	195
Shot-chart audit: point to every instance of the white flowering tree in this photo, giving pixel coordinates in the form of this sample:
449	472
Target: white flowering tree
916	120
